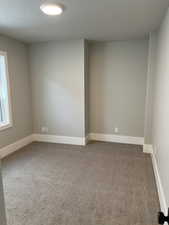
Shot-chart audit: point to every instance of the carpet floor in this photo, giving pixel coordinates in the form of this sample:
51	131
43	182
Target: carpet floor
100	184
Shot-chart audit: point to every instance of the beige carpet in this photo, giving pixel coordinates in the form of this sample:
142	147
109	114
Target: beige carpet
100	184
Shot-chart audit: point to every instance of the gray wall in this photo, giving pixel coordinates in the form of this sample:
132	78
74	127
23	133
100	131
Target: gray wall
118	73
57	73
86	72
20	91
150	87
2	206
160	112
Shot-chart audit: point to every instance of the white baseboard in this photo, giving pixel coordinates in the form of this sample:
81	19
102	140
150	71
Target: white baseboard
117	138
87	139
60	139
15	146
162	199
42	138
147	148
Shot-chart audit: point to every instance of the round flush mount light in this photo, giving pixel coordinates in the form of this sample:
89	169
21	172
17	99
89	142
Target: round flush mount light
52	8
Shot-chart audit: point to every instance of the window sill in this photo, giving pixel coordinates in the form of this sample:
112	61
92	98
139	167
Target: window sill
5	126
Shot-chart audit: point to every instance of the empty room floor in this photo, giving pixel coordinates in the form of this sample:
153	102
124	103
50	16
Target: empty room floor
99	184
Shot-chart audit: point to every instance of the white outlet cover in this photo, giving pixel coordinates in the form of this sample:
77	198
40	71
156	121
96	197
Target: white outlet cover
44	129
116	130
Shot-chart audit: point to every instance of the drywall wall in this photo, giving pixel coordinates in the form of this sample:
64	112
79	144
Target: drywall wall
117	78
151	72
57	74
17	54
86	72
2	205
160	112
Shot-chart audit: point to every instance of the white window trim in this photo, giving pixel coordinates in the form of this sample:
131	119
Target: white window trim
10	123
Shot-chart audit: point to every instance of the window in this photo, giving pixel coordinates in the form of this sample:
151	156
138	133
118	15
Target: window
5	107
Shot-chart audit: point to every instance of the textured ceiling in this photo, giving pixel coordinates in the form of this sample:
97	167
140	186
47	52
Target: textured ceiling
91	19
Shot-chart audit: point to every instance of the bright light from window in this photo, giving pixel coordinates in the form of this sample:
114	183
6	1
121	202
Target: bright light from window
5	110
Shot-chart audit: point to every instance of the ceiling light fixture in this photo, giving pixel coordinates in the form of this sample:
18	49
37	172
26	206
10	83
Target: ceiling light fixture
52	8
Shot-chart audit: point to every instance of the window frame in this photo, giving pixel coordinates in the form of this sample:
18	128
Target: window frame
10	123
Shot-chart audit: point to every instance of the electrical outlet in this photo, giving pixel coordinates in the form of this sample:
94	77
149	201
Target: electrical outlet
44	129
116	130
